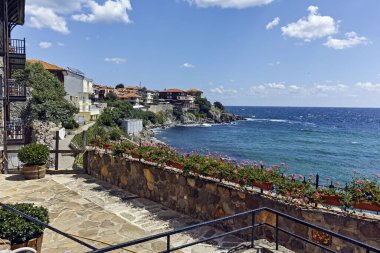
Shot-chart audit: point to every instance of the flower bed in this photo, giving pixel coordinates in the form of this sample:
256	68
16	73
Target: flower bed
360	193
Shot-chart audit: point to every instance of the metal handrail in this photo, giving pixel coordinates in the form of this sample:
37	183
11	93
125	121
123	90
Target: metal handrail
252	228
278	229
30	218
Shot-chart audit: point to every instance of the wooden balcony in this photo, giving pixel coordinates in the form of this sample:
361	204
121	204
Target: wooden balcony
16	91
17	55
15	132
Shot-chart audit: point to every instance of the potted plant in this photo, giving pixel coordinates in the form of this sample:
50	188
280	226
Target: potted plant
365	194
332	196
34	156
20	231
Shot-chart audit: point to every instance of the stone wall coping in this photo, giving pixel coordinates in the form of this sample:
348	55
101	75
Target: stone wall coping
255	191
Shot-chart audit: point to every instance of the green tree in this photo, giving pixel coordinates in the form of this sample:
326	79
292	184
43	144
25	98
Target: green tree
219	105
120	85
204	105
47	101
110	97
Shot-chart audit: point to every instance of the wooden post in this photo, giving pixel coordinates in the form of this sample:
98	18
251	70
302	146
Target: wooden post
84	141
56	149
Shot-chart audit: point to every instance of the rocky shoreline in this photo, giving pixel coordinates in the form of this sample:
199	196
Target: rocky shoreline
215	116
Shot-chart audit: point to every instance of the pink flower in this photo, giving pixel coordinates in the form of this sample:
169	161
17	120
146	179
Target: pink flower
287	194
297	195
316	195
358	190
300	176
235	171
296	204
306	199
337	183
327	178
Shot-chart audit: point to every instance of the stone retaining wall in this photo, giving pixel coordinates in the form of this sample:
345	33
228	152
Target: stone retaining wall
208	199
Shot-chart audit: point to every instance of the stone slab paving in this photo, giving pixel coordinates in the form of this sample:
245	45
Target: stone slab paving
84	206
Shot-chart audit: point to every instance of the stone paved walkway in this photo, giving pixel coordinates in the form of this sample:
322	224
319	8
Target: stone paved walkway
82	205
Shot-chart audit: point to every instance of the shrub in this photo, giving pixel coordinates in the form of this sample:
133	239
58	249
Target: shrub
219	105
34	154
116	134
70	124
18	229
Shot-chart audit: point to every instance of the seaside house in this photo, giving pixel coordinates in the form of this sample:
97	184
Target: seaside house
57	71
12	57
172	95
194	92
79	88
100	92
132	98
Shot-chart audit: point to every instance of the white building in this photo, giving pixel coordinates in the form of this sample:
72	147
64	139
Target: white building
79	88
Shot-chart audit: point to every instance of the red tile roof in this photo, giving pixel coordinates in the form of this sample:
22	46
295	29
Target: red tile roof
172	90
46	65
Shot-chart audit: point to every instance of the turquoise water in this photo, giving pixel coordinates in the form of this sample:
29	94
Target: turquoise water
330	141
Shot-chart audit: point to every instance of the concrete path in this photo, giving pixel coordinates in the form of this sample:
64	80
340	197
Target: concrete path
66	161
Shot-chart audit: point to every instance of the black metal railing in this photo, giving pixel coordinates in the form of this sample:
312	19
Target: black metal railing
16	89
15	130
17	46
251	232
251	229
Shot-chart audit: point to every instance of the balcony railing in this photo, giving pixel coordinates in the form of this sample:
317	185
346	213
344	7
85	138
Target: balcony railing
16	91
17	46
15	132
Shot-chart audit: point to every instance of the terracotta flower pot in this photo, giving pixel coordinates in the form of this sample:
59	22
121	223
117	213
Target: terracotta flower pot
35	243
367	206
176	165
265	186
332	200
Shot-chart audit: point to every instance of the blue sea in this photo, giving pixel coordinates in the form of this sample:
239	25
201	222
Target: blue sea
329	141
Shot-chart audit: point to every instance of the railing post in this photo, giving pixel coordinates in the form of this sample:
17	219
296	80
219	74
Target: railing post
168	244
317	181
253	230
276	231
56	150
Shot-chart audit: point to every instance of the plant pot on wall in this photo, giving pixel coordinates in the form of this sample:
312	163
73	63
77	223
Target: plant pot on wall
375	207
332	200
265	186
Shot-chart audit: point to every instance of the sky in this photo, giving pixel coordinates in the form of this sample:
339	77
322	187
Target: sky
239	52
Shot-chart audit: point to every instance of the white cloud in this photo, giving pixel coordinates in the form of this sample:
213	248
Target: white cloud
60	44
52	14
369	86
45	44
312	27
329	88
110	11
59	6
273	23
187	65
351	40
42	17
237	4
116	60
223	91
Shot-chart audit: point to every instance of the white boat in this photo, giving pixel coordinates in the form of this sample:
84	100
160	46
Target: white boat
206	125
